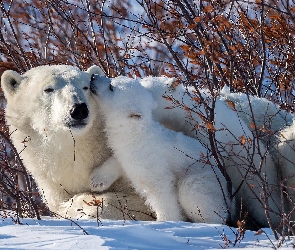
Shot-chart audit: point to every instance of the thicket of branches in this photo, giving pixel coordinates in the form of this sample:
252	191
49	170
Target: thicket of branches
247	46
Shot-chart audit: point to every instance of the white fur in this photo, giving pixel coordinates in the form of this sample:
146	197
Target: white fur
286	160
58	150
265	113
262	112
262	116
158	161
62	159
229	131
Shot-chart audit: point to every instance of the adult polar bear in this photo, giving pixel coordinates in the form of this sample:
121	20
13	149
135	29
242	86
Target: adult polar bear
54	140
51	112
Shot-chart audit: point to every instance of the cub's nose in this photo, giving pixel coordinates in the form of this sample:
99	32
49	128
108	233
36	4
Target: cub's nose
79	111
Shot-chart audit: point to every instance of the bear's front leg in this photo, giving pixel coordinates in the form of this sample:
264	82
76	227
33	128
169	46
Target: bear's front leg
104	176
166	206
160	193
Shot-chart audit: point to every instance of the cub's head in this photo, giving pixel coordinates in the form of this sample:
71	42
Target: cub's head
123	98
50	98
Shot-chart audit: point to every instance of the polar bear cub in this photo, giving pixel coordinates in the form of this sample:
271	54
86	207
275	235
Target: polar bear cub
164	166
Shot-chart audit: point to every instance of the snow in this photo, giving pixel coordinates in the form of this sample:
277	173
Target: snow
54	233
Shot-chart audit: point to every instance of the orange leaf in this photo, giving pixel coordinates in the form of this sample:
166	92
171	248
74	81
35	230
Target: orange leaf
208	8
252	125
192	26
185	48
201	53
210	126
196	100
197	19
186	108
231	104
170	99
240	223
260	231
243	140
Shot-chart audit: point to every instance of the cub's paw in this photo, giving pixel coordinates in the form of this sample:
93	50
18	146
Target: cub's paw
99	184
104	176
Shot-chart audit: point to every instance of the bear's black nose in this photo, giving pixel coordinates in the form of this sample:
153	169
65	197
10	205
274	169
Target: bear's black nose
80	111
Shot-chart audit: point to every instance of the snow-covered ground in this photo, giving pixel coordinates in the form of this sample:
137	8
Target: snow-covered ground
53	233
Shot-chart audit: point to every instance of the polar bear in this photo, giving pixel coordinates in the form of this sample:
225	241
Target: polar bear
72	150
248	158
56	126
261	115
267	115
285	158
158	162
241	159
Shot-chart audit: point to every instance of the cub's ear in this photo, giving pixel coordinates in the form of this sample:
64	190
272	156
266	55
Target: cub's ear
95	70
10	81
99	82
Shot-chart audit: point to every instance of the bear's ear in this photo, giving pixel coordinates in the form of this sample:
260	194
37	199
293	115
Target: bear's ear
95	70
10	81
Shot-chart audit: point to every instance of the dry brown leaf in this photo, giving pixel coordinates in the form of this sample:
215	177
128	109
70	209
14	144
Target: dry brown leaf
231	104
252	125
260	231
210	126
170	99
243	140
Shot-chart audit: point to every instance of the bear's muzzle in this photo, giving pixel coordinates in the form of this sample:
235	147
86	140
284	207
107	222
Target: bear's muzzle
79	112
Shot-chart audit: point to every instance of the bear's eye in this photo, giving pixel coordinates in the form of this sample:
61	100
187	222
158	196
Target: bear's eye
48	90
85	88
